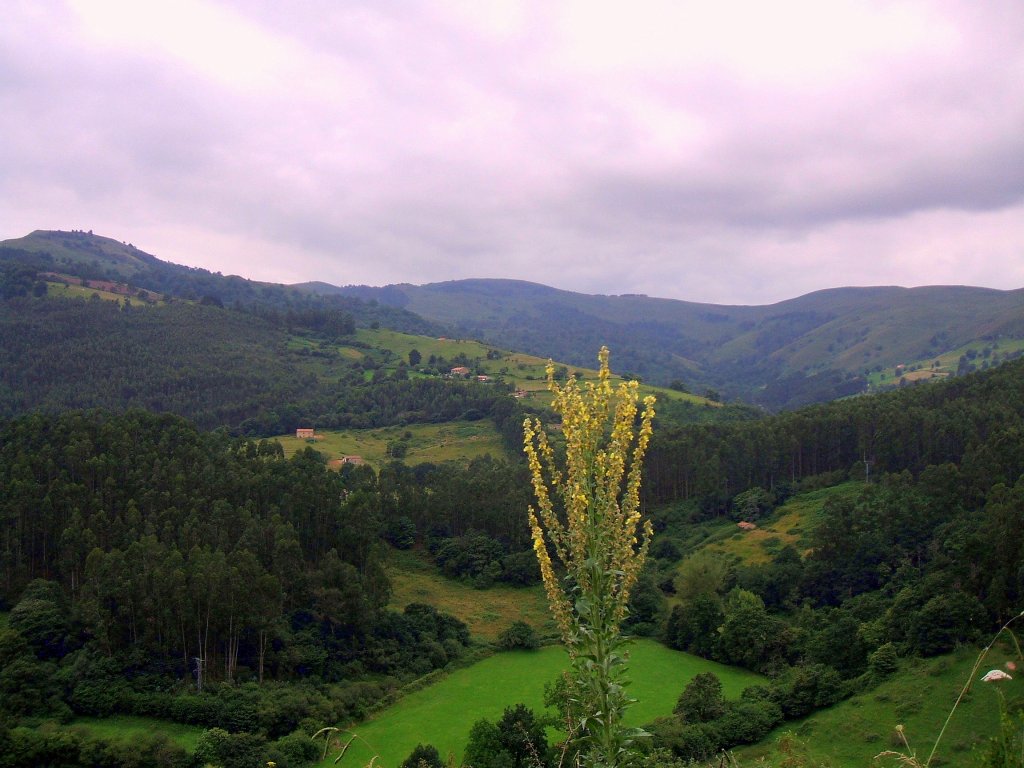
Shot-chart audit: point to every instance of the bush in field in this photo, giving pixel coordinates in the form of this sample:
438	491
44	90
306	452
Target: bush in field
229	750
517	740
519	635
701	700
423	756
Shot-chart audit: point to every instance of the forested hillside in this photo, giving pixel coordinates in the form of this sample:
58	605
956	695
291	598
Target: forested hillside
135	544
922	558
92	257
220	368
148	566
975	421
807	349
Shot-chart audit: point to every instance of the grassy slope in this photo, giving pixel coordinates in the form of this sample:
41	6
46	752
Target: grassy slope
487	612
451	441
443	713
791	523
920	697
79	248
79	291
523	371
948	362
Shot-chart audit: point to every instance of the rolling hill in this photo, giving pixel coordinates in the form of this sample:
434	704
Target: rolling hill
813	348
807	349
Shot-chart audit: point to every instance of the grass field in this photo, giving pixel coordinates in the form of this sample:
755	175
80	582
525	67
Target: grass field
525	372
947	363
851	733
443	713
123	727
451	441
791	523
78	291
487	612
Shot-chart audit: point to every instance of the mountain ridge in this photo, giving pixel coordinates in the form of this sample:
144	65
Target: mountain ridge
809	348
824	343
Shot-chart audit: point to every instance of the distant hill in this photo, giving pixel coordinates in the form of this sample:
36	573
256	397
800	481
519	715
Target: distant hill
808	349
818	347
93	257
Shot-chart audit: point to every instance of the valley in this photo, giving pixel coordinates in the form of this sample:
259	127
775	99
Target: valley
176	558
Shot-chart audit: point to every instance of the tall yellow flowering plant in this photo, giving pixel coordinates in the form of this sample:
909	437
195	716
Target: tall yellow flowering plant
588	515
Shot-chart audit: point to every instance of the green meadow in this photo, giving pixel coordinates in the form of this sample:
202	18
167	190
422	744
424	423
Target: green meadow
791	523
452	441
442	714
81	292
919	697
487	612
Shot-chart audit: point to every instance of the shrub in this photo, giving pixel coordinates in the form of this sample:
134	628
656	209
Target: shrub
423	755
701	700
884	661
519	635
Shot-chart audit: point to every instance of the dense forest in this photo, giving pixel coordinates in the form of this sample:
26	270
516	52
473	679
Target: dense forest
973	421
217	367
138	551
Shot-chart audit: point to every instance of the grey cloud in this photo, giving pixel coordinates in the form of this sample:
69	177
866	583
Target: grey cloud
411	146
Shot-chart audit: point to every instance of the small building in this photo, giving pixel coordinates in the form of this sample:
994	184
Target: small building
460	371
746	526
520	394
354	460
303	433
483	378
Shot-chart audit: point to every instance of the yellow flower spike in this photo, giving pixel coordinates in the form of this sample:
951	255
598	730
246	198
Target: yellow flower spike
601	543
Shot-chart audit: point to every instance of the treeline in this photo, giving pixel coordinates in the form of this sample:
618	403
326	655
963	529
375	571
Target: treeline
974	421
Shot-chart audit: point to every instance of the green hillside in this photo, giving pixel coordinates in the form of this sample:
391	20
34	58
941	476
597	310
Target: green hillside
919	698
812	348
802	350
442	714
75	249
451	441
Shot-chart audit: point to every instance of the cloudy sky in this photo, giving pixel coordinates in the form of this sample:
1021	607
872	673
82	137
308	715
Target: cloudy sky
726	151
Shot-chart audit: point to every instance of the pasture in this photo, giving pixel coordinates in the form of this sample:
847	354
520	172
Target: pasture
460	441
944	365
791	523
524	372
443	713
487	612
919	697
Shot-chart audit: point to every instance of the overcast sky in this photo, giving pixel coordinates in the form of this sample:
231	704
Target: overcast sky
729	152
